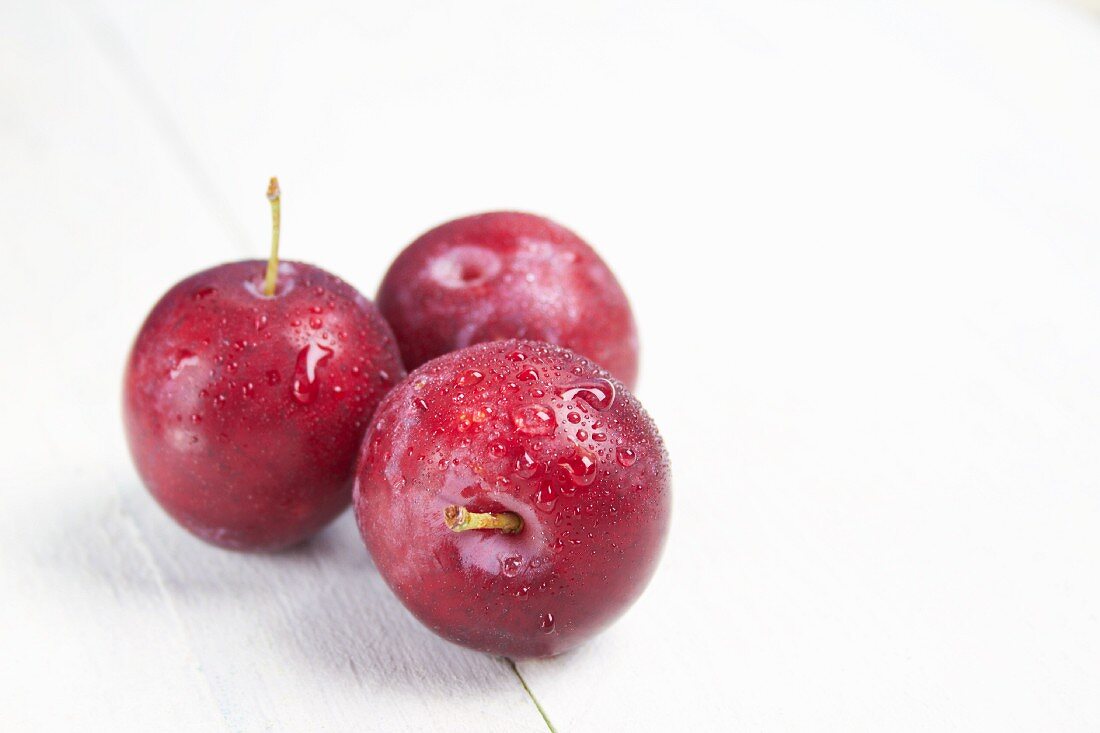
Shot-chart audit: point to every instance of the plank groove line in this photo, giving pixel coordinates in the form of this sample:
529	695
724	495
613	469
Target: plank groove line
527	689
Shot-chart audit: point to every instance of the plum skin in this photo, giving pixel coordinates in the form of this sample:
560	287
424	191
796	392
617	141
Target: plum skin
505	275
244	412
511	426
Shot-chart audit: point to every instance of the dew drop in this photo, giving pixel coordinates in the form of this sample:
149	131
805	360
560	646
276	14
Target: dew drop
599	392
626	457
546	622
580	467
573	417
516	356
204	292
469	378
546	497
527	375
533	419
582	434
510	565
420	403
183	360
306	379
526	466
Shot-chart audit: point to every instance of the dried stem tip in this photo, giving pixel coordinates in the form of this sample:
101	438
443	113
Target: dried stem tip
459	519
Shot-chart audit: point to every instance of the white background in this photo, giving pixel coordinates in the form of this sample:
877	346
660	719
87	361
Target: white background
863	245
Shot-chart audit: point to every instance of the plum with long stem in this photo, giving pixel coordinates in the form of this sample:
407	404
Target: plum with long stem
247	392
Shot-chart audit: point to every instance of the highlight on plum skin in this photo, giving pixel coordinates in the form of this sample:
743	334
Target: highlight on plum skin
515	497
506	275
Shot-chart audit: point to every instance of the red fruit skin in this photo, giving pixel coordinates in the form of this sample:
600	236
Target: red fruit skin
520	438
244	413
507	275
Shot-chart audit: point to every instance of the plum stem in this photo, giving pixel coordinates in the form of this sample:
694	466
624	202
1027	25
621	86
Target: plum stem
273	194
459	519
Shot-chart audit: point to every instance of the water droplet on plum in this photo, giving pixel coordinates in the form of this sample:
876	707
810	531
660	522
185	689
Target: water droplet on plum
526	466
599	393
546	497
510	565
306	379
580	466
469	378
183	360
533	419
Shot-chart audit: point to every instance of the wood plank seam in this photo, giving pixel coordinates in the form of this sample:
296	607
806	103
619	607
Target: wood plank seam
527	689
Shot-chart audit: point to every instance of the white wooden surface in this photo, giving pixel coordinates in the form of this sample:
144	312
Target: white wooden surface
863	245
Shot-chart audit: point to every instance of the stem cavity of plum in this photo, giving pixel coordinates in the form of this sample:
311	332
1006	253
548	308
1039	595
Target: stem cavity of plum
273	194
459	519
